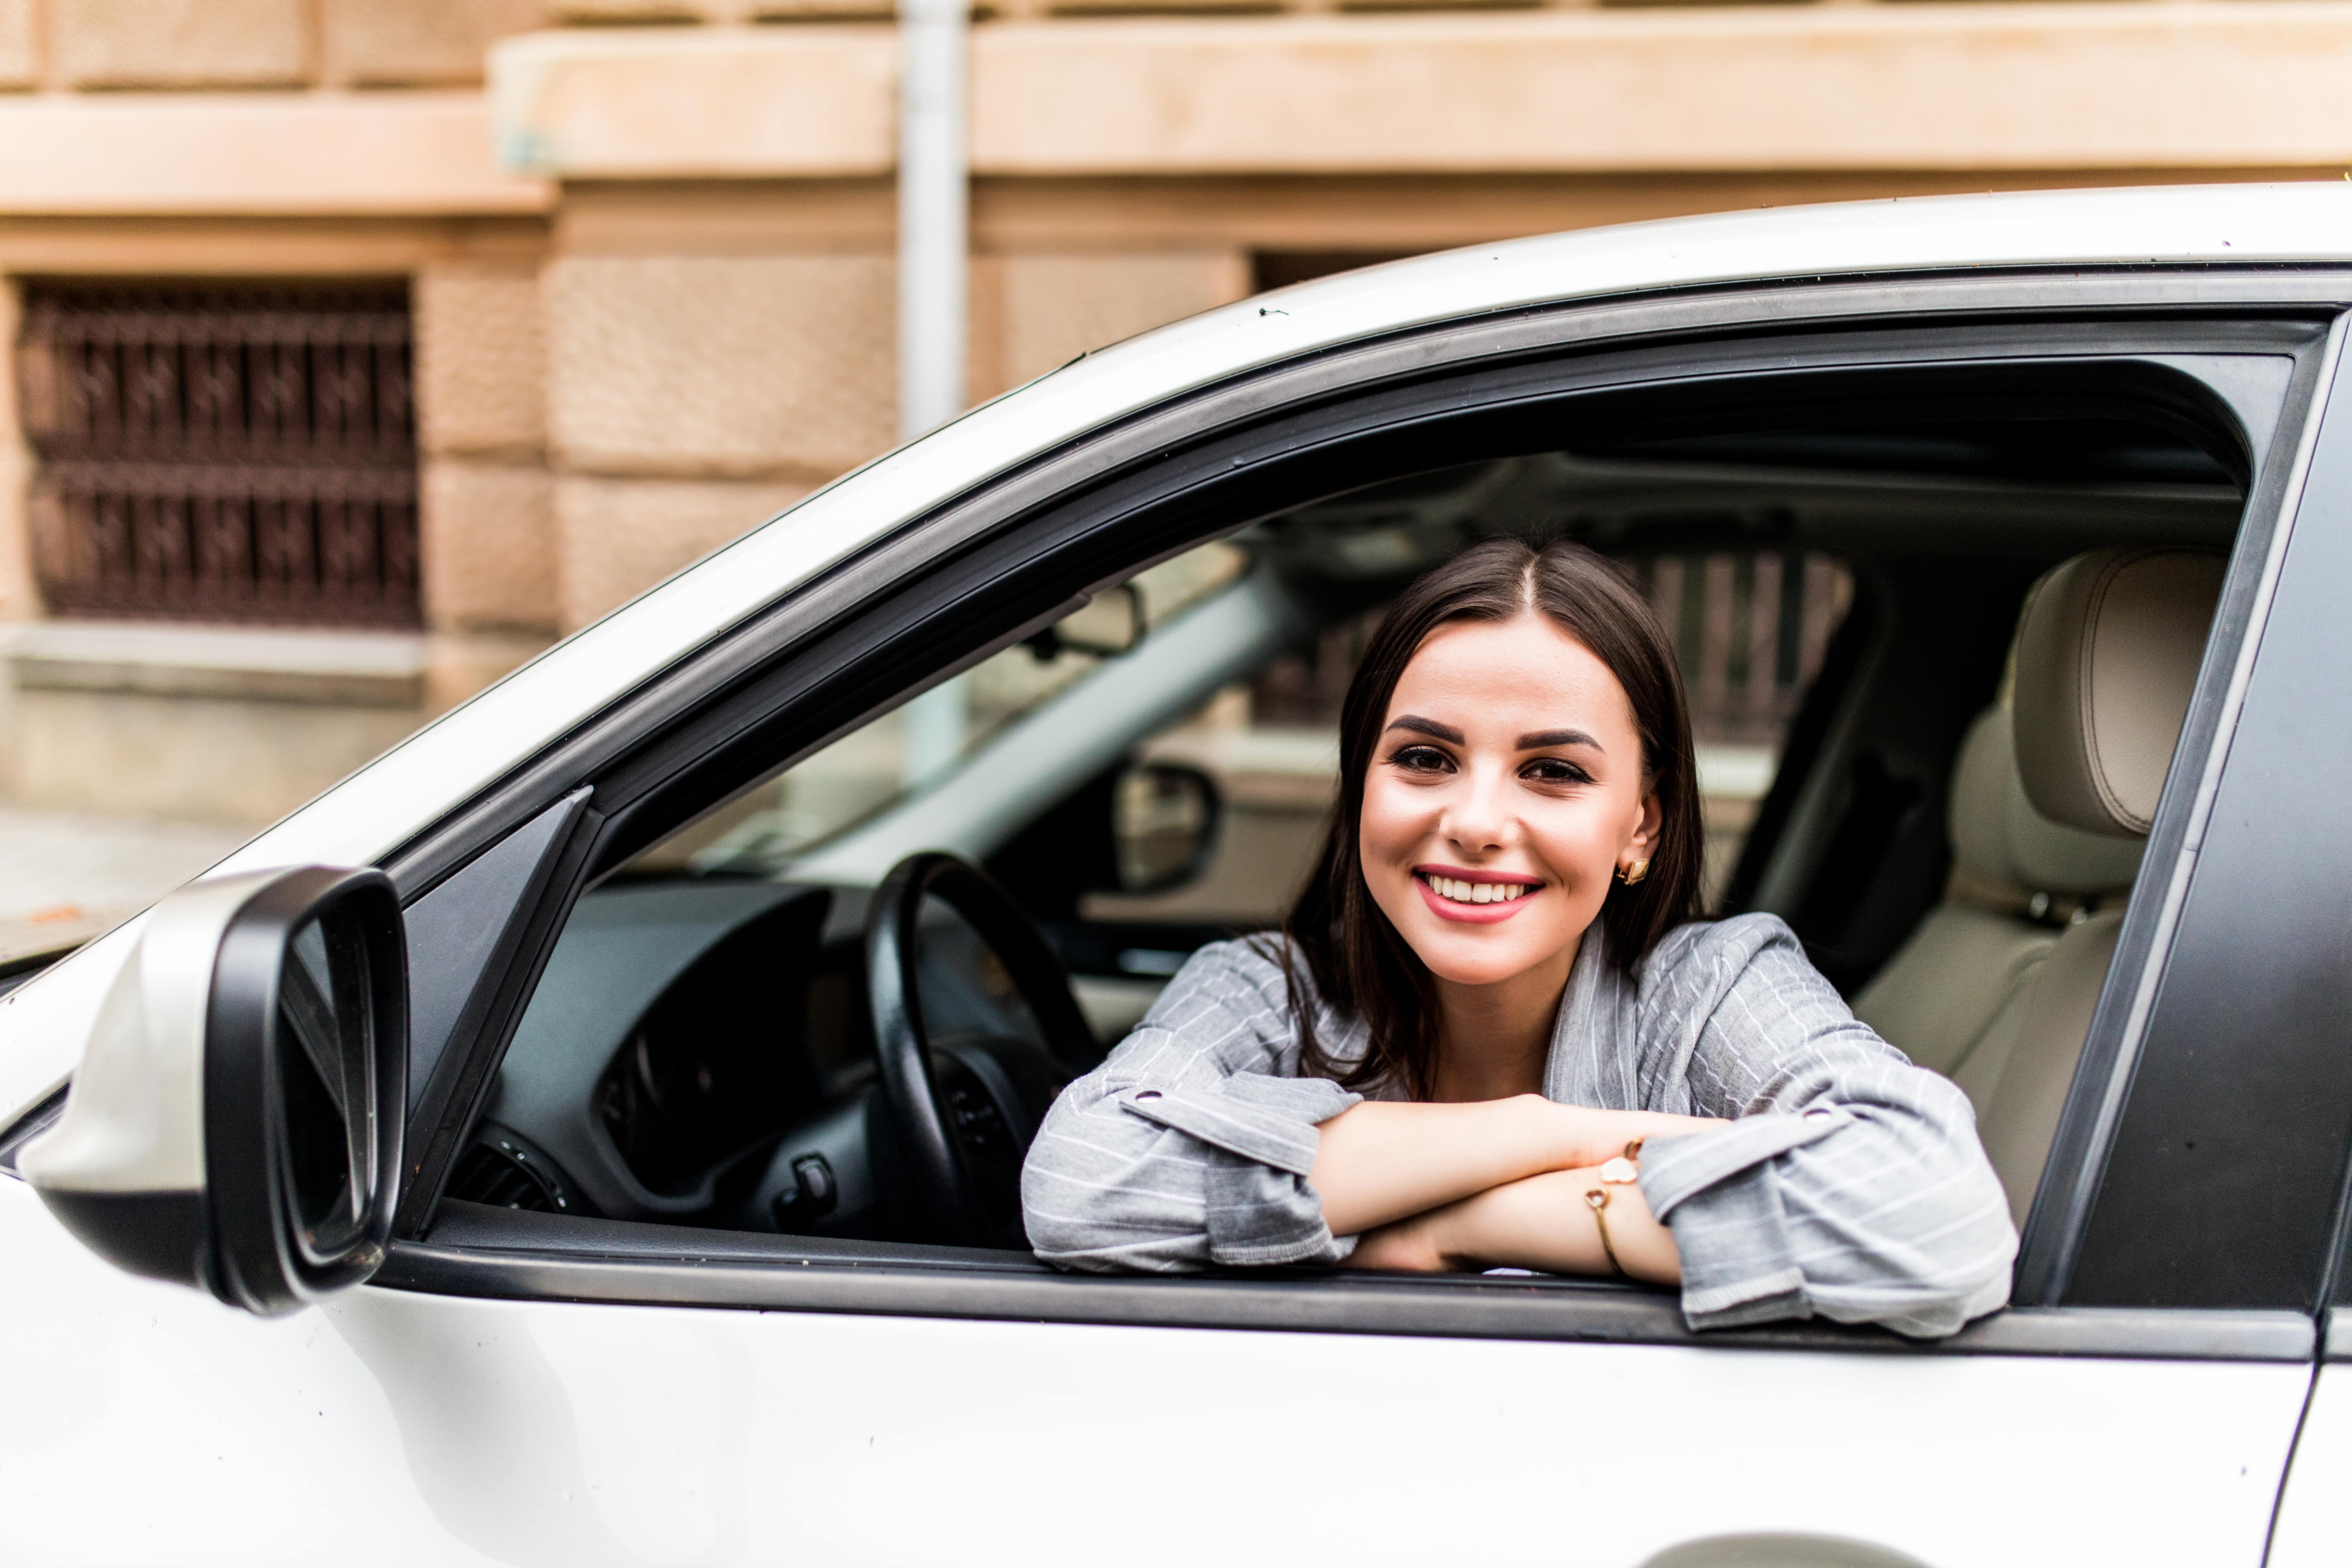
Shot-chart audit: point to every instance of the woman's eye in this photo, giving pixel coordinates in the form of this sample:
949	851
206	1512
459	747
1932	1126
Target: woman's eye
1421	760
1553	770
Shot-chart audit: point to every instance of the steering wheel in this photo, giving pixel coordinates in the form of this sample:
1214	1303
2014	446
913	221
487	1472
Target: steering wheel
964	1106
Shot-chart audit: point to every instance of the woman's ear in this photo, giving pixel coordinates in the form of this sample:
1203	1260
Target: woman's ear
1645	842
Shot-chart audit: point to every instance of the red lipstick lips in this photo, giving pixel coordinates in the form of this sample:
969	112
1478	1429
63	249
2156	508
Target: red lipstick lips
1468	897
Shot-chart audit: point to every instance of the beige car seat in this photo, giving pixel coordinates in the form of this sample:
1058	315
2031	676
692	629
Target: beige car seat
2107	653
2017	878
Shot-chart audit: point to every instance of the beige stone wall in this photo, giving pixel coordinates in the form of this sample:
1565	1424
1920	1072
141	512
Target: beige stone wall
488	546
20	598
487	500
417	43
692	396
227	44
204	759
487	511
20	55
749	366
181	43
620	536
1057	306
1642	87
481	361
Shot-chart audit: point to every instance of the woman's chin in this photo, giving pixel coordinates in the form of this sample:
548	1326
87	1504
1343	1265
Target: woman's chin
1473	957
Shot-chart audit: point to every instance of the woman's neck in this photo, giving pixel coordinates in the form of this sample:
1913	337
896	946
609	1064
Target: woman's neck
1494	1040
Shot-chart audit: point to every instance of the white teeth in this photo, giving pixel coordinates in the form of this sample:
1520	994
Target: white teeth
1463	892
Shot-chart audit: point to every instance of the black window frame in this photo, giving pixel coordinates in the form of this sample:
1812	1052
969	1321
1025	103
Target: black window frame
835	651
2208	1129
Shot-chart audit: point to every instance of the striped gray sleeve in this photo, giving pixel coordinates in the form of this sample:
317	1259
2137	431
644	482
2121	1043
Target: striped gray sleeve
1192	1143
1853	1187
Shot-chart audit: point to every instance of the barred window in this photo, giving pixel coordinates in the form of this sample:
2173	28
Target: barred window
223	451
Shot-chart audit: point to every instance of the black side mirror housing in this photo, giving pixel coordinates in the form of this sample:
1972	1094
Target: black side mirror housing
235	1122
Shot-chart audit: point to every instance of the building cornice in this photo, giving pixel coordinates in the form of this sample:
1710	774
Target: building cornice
1916	86
320	154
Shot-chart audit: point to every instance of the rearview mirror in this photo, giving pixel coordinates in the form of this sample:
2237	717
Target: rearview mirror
236	1122
1109	624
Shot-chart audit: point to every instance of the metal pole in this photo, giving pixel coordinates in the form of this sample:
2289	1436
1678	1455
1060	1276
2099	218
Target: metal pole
933	202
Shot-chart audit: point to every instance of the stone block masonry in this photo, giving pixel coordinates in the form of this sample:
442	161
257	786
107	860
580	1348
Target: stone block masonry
181	43
618	537
762	366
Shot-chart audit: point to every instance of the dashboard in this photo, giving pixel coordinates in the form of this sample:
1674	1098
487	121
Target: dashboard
698	1051
680	1028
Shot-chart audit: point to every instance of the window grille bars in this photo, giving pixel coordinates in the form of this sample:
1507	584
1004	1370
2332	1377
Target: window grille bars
1750	629
240	452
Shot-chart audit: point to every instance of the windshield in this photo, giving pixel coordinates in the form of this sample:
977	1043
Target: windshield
875	767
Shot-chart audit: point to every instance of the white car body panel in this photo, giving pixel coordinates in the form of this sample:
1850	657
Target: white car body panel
42	1026
416	1429
2315	1517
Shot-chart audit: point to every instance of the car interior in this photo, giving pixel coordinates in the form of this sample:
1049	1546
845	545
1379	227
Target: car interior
1937	651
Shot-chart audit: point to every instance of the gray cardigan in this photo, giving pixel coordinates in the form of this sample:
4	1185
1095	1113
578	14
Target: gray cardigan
1851	1183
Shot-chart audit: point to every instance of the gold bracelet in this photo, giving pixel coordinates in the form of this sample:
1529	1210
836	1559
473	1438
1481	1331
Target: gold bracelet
1616	1173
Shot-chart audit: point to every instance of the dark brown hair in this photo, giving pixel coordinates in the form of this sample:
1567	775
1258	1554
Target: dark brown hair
1359	962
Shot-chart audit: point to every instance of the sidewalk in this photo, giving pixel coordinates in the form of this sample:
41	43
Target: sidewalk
66	877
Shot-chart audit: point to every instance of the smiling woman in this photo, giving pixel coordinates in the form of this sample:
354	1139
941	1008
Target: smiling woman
1493	1033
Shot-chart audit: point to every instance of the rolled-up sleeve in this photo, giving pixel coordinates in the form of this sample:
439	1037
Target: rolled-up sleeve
1851	1184
1191	1145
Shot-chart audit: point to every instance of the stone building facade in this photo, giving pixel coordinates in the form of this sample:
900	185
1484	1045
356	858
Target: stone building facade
646	253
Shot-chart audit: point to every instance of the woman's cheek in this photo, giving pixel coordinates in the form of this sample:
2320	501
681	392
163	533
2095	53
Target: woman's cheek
1391	829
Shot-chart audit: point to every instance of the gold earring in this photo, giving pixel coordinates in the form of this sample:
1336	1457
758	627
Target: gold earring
1629	875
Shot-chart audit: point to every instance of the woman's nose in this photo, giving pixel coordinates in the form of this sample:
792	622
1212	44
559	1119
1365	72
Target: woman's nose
1477	818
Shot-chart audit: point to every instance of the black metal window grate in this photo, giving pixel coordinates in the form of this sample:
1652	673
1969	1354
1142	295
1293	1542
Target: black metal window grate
1751	628
223	452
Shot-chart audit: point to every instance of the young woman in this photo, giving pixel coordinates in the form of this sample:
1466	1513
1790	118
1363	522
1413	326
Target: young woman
1492	1032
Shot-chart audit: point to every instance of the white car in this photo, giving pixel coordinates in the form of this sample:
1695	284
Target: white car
587	1133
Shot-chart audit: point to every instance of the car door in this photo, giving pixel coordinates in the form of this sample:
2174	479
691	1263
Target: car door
610	1393
976	1382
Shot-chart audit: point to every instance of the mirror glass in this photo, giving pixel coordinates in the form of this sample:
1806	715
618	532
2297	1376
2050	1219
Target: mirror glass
1110	623
326	1080
1162	818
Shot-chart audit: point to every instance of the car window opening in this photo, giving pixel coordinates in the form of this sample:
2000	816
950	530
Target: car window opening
1155	773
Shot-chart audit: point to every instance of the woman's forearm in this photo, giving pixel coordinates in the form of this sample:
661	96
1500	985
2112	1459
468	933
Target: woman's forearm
1381	1161
1545	1222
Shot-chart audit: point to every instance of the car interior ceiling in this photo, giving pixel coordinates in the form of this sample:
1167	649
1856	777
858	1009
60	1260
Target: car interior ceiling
698	1051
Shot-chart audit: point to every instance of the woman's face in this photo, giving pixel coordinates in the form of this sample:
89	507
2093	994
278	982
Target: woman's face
1506	789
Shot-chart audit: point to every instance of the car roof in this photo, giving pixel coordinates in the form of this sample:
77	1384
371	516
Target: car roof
405	791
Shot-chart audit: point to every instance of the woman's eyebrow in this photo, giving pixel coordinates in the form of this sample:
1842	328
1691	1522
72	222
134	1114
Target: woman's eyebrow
1535	739
1429	727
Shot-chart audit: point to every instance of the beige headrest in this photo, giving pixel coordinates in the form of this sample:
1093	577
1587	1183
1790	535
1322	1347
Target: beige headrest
2005	845
2106	657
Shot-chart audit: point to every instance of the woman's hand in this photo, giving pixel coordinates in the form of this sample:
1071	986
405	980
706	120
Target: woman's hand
1382	1162
1408	1247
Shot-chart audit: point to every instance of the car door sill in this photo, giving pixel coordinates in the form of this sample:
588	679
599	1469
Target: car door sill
663	1265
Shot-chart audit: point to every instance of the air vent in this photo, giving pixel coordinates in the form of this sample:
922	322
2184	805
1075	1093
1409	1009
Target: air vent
502	1171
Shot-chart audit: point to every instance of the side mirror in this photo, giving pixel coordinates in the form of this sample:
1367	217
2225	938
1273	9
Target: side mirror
235	1122
1163	826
